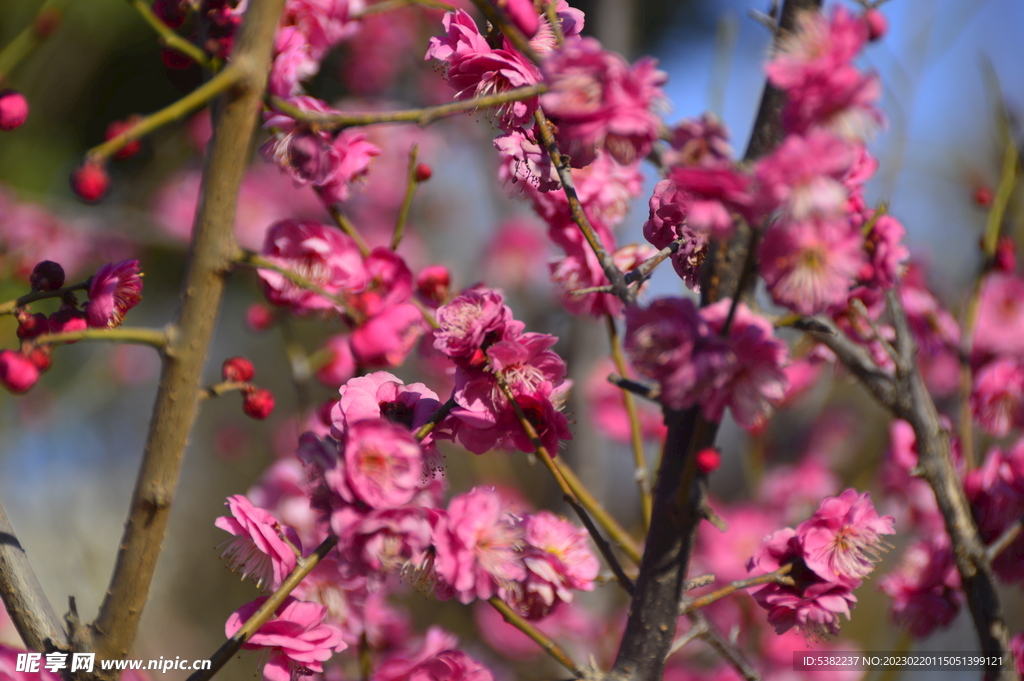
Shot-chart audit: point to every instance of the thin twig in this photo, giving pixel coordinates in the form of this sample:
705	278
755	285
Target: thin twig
777	577
169	38
535	635
435	419
32	36
157	338
1004	540
410	191
421	117
227	78
648	392
11	306
602	545
636	435
266	611
222	388
724	647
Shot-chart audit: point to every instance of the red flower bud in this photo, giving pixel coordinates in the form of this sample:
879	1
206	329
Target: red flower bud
68	319
32	325
423	172
258	404
983	196
433	284
17	373
46	276
1006	254
173	59
708	460
259	317
13	109
40	358
90	182
237	370
116	128
878	25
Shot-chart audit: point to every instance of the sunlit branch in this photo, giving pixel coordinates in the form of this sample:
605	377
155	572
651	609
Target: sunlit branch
534	634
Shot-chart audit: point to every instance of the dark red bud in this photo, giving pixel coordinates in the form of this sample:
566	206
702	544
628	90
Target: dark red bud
423	172
708	460
90	182
46	276
258	404
237	370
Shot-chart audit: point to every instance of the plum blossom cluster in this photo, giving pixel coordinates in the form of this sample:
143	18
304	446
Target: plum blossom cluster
828	556
113	291
716	357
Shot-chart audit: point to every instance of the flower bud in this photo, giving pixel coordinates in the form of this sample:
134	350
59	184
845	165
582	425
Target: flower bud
173	59
878	25
259	317
237	370
1006	254
13	109
434	284
17	373
423	172
68	319
983	196
259	403
46	276
90	182
116	128
708	460
40	358
32	325
170	12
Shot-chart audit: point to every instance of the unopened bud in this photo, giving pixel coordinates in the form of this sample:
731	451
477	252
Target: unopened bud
173	59
259	317
983	196
708	460
237	370
116	128
32	325
68	319
878	25
46	276
90	182
40	358
17	373
13	109
433	284
259	403
423	172
1006	254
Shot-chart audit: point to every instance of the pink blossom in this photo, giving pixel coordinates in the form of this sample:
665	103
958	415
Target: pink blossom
478	545
386	339
389	282
523	15
670	342
17	372
700	141
925	589
113	290
259	549
294	62
813	605
1000	328
887	253
284	490
597	101
340	365
324	23
708	197
297	637
435	660
997	398
804	176
383	463
667	223
842	540
937	333
384	541
323	255
383	395
571	20
474	69
578	270
355	153
471	323
754	380
996	493
811	266
558	559
524	160
814	67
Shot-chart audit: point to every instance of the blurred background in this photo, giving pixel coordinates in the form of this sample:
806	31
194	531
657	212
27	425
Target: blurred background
69	449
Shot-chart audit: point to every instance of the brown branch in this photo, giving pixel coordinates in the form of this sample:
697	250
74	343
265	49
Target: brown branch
679	494
729	652
27	605
110	636
11	305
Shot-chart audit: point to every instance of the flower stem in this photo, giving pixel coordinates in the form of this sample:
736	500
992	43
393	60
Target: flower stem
11	305
535	635
169	38
410	191
157	338
31	37
779	576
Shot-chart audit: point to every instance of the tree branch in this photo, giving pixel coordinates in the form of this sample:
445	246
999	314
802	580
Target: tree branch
27	605
110	636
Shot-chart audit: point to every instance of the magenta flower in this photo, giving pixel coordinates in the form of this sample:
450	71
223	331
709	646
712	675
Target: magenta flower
475	69
1000	328
756	381
597	101
386	339
671	343
113	290
298	639
996	493
700	141
383	395
805	176
436	659
323	255
385	541
17	372
887	254
558	560
997	398
383	463
925	589
811	266
389	282
478	545
259	550
471	323
341	366
842	540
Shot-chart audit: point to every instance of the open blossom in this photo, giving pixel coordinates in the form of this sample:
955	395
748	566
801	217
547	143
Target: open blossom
384	541
812	604
386	339
558	559
996	493
436	659
383	395
887	254
823	88
597	101
113	290
702	141
383	463
475	69
804	176
297	637
997	398
389	282
259	550
925	589
842	540
1000	328
471	323
811	266
755	378
478	544
671	343
323	255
